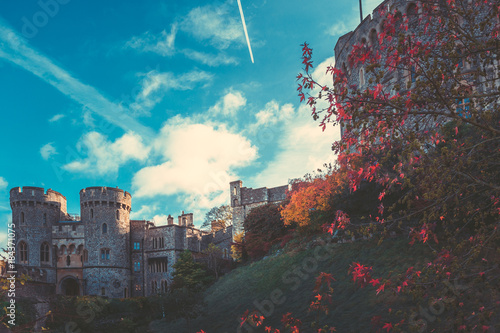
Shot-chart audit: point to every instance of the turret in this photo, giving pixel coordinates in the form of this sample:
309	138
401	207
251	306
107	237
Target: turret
105	212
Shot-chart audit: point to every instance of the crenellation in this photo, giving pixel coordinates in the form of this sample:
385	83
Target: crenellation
244	199
101	251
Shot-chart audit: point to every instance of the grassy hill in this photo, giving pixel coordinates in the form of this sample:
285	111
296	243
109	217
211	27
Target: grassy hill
290	276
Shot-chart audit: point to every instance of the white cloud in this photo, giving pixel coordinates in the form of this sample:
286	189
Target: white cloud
199	161
16	50
144	213
229	104
219	24
3	184
161	219
338	29
56	117
155	84
210	59
163	44
87	118
319	74
303	149
48	150
105	157
271	115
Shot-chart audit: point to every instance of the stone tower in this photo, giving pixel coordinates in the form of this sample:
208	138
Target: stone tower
33	214
105	213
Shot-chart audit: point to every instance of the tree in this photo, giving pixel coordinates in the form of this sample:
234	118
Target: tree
419	109
264	228
238	247
313	193
220	217
214	259
189	274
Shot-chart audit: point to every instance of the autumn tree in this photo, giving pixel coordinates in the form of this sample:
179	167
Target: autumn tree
419	107
311	194
219	217
264	228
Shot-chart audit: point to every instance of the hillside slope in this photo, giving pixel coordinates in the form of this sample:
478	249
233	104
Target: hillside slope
290	278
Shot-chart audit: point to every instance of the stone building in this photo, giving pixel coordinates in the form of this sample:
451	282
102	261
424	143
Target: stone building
403	80
244	199
101	251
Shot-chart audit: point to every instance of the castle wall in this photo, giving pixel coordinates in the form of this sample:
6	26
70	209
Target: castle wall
97	252
244	199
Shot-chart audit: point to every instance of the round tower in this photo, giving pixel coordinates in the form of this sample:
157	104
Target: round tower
34	211
105	213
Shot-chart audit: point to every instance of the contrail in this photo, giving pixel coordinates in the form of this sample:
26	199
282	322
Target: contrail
245	29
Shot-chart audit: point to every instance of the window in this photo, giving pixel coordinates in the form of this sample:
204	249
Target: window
103	291
44	253
463	107
60	228
163	286
68	260
137	287
91	213
153	287
413	74
23	253
44	218
85	256
362	77
21	218
104	228
137	245
104	254
117	214
234	190
137	266
73	228
125	293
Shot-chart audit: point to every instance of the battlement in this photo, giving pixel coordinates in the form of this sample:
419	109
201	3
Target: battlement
35	194
103	193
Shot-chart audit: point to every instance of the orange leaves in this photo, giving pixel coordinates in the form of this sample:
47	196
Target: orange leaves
308	196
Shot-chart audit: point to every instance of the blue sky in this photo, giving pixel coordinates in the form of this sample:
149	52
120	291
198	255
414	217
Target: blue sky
160	98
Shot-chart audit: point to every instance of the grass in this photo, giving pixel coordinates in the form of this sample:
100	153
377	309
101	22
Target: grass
352	307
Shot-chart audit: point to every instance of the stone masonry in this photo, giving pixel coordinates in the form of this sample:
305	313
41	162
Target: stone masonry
244	199
102	251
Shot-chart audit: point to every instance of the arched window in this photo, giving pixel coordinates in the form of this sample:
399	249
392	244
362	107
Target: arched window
373	38
117	214
104	228
44	252
68	260
361	77
23	252
21	218
91	213
235	202
412	14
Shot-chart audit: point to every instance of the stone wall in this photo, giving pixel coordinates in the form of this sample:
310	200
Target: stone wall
244	199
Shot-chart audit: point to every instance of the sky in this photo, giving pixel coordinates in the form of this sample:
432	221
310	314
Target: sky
161	98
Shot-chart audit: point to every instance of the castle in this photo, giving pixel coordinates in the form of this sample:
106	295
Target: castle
244	199
101	251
